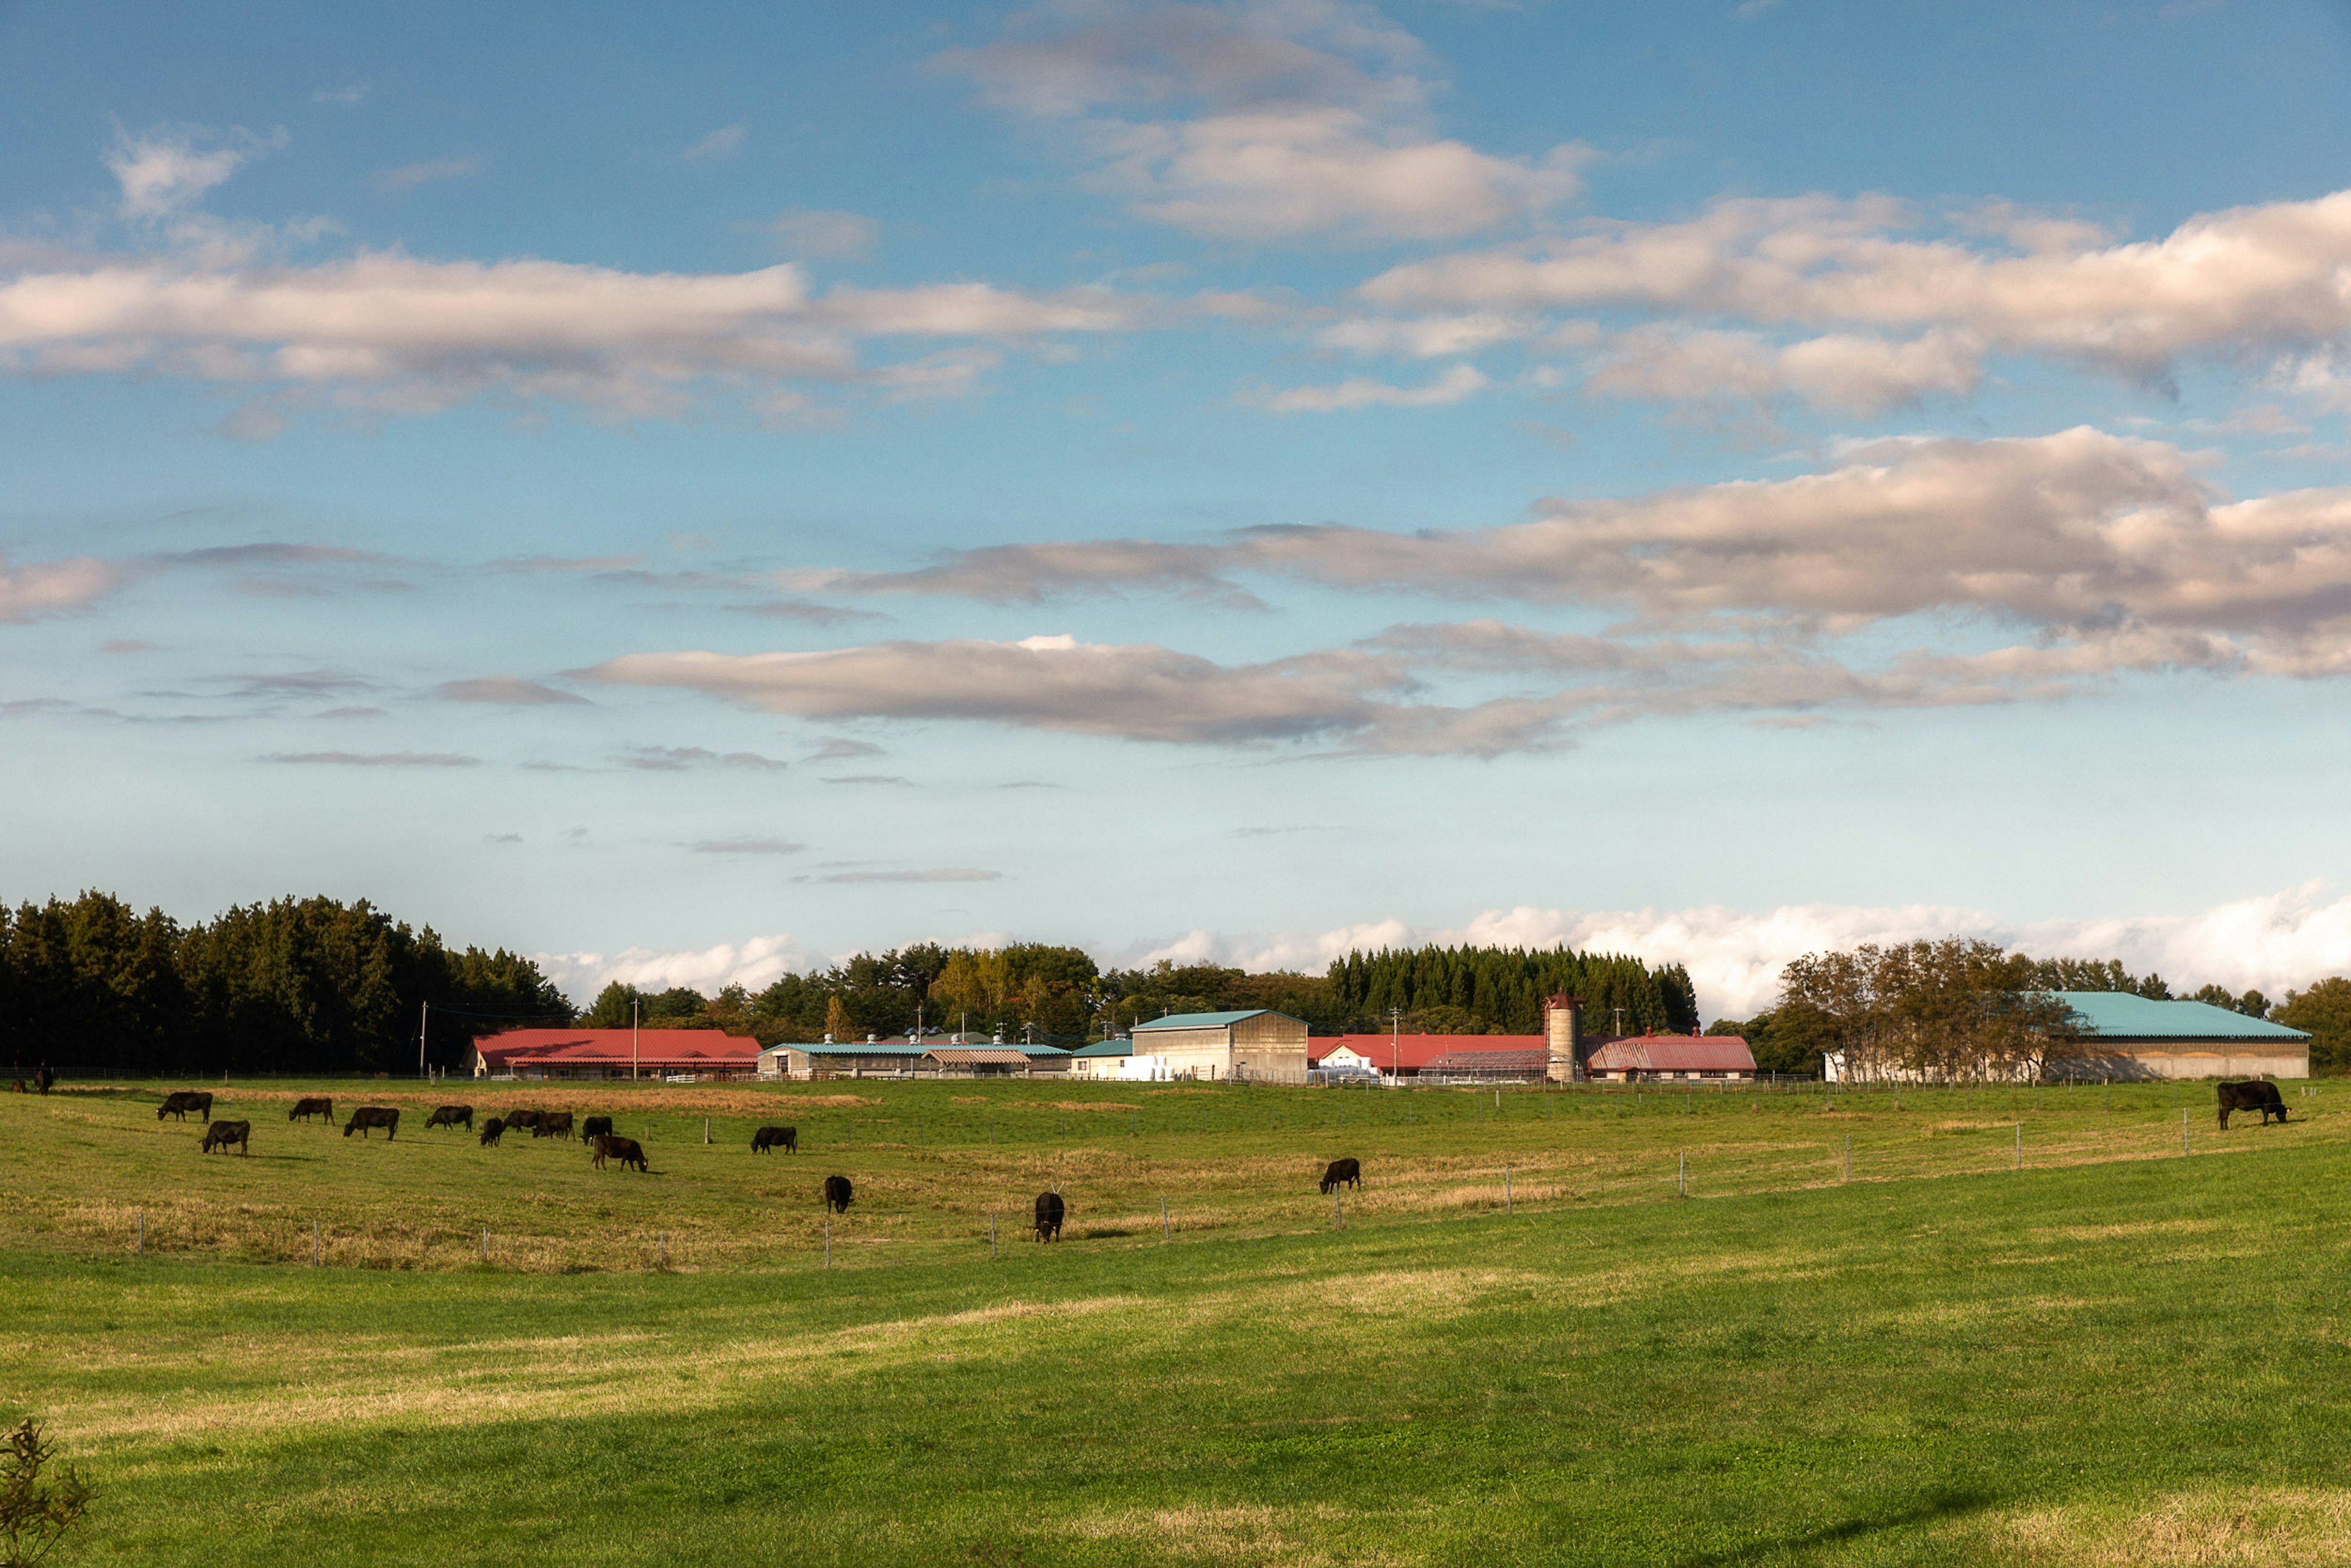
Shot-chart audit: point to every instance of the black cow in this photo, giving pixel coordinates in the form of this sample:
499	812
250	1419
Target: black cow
552	1124
450	1116
517	1120
44	1078
628	1151
785	1138
220	1135
837	1194
2254	1095
367	1116
1050	1210
1343	1172
317	1105
490	1131
593	1125
180	1102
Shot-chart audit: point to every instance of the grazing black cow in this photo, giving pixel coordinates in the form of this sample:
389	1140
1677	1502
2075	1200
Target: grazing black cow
628	1151
552	1124
452	1116
44	1078
1343	1172
593	1125
180	1102
785	1138
837	1194
317	1105
2254	1095
1050	1210
517	1120
367	1116
220	1135
490	1131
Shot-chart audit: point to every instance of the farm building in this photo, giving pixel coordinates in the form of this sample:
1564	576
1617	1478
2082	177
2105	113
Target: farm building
2127	1036
1258	1046
1433	1055
1563	1052
950	1056
1683	1058
604	1053
2123	1037
1116	1059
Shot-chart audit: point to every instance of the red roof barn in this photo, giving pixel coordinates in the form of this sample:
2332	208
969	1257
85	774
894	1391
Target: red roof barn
1673	1056
615	1053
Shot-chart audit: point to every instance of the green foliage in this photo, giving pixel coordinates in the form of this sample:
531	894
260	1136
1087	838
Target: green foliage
1497	991
34	1513
1954	1008
294	986
2092	974
2324	1011
2252	1004
1781	1054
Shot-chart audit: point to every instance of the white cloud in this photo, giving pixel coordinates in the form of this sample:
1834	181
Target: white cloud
1360	392
2267	278
396	333
2115	551
165	171
1843	371
1311	173
1138	692
55	588
754	965
1426	337
1306	119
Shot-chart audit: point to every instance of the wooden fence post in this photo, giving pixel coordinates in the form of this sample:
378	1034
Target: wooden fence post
1165	1234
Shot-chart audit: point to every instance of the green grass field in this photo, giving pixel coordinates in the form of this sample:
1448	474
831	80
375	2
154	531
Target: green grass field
2115	1354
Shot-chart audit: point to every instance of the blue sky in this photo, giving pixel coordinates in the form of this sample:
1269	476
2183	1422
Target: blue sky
687	493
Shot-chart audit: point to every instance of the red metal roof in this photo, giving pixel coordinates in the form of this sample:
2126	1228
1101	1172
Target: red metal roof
1414	1052
1675	1053
610	1047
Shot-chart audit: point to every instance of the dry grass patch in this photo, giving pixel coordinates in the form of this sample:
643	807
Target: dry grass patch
1255	1534
2242	1527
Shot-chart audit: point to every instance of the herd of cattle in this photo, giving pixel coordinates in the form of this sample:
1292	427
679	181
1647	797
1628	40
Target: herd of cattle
605	1144
596	1132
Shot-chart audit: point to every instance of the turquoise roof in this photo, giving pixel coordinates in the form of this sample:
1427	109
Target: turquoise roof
865	1047
2119	1015
1106	1048
1205	1020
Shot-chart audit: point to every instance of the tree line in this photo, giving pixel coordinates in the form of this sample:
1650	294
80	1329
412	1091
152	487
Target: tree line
296	986
1058	994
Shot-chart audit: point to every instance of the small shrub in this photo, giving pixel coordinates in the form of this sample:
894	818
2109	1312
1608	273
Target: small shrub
35	1514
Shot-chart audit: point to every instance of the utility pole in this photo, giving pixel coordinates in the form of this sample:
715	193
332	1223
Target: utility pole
1395	1046
423	1022
634	1032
